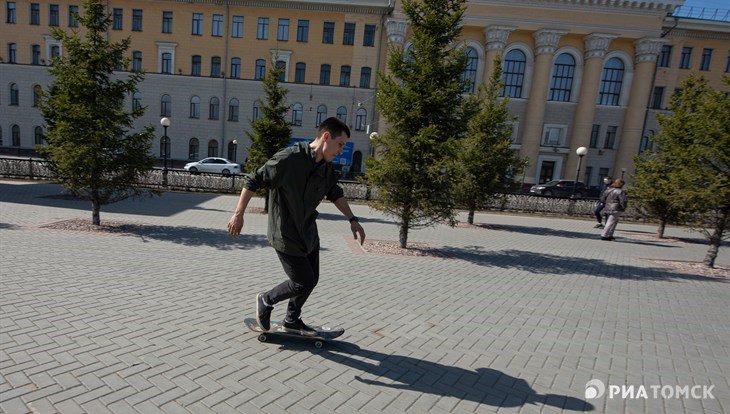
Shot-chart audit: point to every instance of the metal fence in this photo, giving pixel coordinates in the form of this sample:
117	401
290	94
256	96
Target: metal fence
181	180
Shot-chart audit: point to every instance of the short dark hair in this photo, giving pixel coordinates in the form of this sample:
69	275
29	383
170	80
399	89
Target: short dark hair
334	126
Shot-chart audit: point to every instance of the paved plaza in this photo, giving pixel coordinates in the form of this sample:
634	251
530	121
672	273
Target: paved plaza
515	316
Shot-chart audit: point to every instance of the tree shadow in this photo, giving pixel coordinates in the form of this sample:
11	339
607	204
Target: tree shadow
483	385
8	226
363	220
550	232
541	263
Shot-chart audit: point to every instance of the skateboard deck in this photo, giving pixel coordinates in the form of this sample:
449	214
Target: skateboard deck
324	333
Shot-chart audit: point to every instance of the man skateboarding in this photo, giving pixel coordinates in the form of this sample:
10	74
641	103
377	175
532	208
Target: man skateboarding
298	178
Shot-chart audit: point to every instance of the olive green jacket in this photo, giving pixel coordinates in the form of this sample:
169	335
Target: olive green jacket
297	185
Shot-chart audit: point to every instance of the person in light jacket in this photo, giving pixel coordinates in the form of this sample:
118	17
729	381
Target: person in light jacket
616	203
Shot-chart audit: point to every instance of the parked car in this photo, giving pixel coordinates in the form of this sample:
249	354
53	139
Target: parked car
213	165
560	188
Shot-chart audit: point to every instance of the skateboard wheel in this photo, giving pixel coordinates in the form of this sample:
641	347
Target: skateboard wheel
318	344
262	338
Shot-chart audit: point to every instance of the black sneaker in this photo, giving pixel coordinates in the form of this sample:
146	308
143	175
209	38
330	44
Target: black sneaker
598	226
299	327
263	313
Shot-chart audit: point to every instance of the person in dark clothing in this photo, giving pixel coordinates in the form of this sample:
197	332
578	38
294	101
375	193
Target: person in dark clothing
298	178
616	203
607	180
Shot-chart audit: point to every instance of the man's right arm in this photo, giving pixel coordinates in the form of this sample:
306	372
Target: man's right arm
235	224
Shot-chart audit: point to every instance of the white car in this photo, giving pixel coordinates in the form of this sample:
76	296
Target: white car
213	165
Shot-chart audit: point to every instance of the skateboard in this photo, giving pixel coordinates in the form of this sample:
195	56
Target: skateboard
324	333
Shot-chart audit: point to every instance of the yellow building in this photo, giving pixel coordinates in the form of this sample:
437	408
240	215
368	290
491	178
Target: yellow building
578	74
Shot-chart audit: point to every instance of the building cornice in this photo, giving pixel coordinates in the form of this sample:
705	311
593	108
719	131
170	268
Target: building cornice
377	7
659	7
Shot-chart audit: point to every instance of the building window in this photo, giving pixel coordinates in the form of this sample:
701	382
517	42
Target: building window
469	77
303	31
15	132
656	99
12	53
136	102
197	24
118	19
365	77
256	111
369	35
37	93
361	119
11	16
167	63
328	33
342	114
348	36
296	114
237	27
14	95
706	59
35	14
212	148
665	57
166	106
73	11
283	31
610	137
137	20
513	74
260	69
215	67
727	64
1	136
217	29
193	149
38	136
611	80
262	30
55	53
195	107
166	22
196	66
562	82
552	136
214	108
299	72
324	75
280	64
321	115
235	68
233	110
35	55
137	61
686	60
345	75
53	15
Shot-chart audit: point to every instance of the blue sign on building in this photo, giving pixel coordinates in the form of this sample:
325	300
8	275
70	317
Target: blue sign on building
344	159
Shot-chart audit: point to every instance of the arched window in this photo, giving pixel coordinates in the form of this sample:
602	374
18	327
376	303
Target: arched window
15	132
137	61
37	93
611	81
39	138
167	63
212	148
165	147
321	115
296	114
361	119
280	64
562	82
299	72
260	71
195	107
256	111
55	52
469	77
365	77
233	110
193	149
136	101
342	114
513	74
235	68
166	105
215	67
357	162
232	151
345	71
35	54
14	96
214	108
324	74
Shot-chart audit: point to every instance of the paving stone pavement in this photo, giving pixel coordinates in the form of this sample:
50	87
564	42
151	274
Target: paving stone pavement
517	317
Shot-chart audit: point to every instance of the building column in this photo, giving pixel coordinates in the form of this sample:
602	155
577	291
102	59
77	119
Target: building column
647	51
496	38
596	46
546	41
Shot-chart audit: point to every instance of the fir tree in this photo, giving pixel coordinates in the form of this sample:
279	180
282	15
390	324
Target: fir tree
89	143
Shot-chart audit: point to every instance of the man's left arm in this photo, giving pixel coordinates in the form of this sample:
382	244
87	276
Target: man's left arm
344	207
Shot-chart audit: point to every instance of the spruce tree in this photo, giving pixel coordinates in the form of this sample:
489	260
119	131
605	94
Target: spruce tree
422	101
90	145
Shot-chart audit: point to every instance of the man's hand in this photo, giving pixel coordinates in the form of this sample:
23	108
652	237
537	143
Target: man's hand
357	229
235	224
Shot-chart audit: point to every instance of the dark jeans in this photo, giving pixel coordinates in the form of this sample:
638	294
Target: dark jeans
303	272
597	212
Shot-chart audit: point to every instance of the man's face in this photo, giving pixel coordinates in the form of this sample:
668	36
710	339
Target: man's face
333	146
606	180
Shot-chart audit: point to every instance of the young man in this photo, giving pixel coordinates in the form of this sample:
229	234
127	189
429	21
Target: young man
607	180
298	178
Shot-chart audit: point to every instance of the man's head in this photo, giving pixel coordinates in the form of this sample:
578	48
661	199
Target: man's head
607	179
332	136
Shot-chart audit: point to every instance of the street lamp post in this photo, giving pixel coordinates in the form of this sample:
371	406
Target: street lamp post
623	171
165	122
581	151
